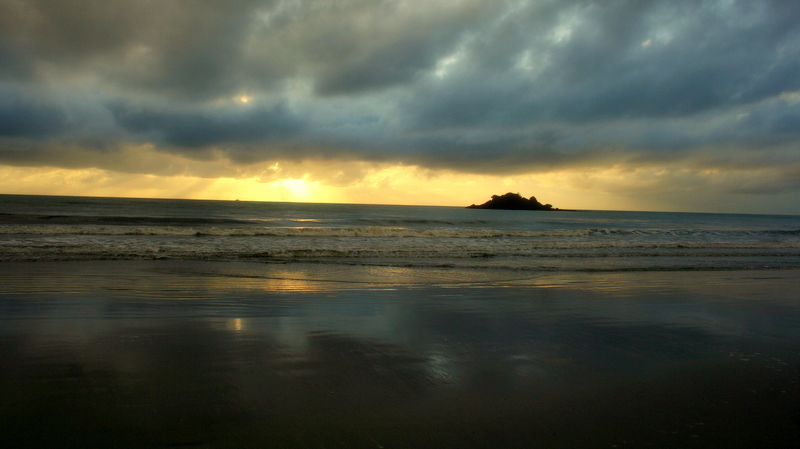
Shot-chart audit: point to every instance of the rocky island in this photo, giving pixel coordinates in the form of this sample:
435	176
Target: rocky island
513	201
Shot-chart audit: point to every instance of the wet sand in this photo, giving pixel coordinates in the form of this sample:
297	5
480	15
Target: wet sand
218	355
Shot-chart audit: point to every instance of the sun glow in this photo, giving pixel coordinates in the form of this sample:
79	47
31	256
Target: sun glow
367	183
300	189
308	182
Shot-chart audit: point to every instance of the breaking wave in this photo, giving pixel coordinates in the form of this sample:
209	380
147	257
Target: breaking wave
366	231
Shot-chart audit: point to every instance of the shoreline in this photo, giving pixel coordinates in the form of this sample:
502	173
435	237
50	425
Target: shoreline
359	274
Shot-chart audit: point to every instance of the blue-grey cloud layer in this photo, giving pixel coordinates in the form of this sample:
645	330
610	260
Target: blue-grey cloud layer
474	86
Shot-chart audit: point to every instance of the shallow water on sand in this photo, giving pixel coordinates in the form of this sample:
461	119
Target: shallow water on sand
210	354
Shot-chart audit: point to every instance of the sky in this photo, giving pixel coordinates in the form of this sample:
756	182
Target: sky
676	105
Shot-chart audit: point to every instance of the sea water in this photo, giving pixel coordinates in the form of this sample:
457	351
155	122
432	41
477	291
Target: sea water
48	228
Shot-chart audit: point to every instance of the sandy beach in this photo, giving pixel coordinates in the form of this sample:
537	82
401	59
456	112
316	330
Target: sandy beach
203	354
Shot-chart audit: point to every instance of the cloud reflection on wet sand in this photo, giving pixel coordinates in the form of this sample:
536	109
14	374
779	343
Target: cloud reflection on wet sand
504	365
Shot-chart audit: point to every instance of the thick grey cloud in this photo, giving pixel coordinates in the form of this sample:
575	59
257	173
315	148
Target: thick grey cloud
23	115
183	48
621	59
201	127
482	87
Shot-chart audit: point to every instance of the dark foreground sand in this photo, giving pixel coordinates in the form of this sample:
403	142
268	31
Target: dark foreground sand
218	355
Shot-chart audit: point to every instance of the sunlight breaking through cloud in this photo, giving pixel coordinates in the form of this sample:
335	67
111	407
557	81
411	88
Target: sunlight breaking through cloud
471	89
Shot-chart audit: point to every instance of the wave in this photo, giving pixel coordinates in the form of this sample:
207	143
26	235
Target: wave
362	231
647	262
296	250
365	231
82	220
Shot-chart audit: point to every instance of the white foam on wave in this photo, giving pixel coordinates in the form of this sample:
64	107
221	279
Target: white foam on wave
366	231
384	231
587	248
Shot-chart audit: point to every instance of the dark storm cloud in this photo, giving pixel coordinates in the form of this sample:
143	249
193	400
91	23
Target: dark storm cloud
398	63
610	63
25	116
473	86
183	48
199	128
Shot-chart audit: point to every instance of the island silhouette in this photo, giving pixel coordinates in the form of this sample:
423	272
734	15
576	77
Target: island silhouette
513	201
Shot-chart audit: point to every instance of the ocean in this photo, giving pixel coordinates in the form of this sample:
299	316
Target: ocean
41	228
133	323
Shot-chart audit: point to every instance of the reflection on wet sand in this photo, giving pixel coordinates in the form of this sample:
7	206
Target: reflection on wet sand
503	365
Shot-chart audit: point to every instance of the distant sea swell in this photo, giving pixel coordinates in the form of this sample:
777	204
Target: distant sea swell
520	250
75	229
